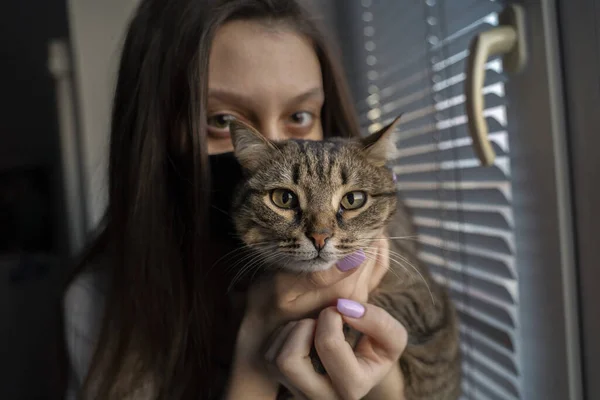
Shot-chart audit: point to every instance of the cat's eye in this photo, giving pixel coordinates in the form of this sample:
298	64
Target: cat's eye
284	198
353	200
220	122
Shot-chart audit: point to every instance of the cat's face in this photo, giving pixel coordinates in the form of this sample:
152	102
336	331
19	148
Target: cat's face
307	204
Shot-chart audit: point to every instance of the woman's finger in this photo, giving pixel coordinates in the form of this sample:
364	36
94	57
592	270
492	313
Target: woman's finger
382	330
277	340
354	372
337	355
294	364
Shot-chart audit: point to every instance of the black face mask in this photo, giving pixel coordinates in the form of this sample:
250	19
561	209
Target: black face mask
226	175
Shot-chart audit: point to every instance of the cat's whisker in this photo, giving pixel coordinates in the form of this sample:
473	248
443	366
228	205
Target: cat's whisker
274	258
243	247
373	241
231	254
245	257
260	258
394	238
220	210
397	257
241	264
404	259
236	277
256	260
249	260
271	259
255	264
373	256
252	250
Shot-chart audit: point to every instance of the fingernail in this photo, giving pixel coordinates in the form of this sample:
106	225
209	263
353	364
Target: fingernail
352	261
350	308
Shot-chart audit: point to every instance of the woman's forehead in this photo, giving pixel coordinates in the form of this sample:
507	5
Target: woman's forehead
263	63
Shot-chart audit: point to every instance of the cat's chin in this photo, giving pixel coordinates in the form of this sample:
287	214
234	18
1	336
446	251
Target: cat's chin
313	265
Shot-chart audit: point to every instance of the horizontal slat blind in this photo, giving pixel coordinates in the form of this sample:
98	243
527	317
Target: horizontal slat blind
413	59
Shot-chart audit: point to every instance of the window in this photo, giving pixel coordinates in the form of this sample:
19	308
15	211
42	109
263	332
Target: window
479	234
462	211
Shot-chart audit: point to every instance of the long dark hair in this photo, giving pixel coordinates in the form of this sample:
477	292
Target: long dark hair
157	322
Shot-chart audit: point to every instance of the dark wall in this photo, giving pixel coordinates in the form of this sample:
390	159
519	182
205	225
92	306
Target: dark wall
30	198
28	126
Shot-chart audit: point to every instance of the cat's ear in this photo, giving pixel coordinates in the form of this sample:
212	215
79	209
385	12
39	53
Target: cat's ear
378	146
249	146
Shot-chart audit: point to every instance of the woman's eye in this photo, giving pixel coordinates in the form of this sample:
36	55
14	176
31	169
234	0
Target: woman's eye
353	200
284	198
302	118
220	121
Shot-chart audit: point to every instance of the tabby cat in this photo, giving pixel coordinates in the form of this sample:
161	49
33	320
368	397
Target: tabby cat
307	204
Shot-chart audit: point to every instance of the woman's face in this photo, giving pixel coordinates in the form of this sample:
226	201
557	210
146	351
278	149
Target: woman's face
269	77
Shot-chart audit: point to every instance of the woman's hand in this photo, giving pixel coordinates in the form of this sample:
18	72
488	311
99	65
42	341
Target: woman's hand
371	370
286	297
352	373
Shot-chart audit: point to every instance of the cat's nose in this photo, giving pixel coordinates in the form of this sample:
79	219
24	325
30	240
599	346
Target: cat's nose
319	239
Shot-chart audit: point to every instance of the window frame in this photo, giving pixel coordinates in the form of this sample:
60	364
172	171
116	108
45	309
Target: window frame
580	36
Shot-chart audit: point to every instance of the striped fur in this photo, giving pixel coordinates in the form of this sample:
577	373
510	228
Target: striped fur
320	173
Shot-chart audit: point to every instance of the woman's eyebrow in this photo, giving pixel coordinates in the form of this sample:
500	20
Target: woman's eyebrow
315	93
229	96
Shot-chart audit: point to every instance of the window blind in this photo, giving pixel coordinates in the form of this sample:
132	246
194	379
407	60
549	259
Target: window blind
409	58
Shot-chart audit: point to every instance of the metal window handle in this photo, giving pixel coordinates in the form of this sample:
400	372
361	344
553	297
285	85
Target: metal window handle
507	39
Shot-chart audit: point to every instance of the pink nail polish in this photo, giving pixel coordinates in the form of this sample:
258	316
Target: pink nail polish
350	308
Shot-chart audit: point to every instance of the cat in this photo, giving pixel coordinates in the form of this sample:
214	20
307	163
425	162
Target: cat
304	205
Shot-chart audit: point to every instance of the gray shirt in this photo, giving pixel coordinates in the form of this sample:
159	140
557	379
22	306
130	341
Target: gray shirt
83	307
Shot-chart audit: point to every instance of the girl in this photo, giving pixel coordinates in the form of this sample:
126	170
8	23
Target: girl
147	313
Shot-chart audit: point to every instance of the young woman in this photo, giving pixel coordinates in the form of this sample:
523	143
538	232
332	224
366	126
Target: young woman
147	313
